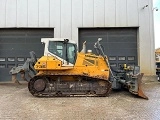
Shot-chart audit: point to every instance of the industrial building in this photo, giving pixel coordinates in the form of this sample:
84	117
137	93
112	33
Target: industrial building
126	27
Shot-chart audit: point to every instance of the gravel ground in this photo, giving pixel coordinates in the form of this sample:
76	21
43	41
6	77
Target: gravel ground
16	103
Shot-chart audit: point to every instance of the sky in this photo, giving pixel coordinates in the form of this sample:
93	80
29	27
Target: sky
156	3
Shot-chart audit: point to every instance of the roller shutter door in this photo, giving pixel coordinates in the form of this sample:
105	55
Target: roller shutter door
120	44
15	45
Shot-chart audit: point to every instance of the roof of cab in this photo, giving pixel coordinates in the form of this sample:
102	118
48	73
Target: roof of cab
44	40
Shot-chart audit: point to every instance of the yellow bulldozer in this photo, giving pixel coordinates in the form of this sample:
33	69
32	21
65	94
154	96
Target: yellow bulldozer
63	71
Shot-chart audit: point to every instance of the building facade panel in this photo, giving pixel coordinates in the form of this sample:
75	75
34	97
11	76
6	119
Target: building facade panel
33	13
145	41
3	13
55	16
77	15
66	23
44	10
88	13
11	13
121	13
152	42
132	13
99	10
110	13
22	13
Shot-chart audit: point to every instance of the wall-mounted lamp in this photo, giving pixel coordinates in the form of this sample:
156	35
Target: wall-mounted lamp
145	6
155	8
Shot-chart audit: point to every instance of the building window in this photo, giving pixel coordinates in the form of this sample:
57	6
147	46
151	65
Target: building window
113	64
19	65
10	65
20	59
112	58
121	64
2	65
2	59
11	59
131	63
121	58
131	58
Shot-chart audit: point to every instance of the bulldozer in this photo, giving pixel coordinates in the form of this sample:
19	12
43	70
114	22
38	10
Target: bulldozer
63	71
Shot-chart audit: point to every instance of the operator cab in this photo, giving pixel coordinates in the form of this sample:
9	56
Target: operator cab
61	48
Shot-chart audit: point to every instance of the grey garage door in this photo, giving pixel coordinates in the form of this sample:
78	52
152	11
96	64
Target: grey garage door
120	44
15	45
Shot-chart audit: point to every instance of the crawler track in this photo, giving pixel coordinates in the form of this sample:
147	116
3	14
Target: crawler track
57	85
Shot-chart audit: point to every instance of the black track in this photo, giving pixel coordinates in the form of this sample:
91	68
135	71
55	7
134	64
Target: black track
53	85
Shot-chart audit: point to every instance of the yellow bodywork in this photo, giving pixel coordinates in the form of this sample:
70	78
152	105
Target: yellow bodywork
86	64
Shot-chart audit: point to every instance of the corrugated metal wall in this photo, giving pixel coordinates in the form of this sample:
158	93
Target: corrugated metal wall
66	16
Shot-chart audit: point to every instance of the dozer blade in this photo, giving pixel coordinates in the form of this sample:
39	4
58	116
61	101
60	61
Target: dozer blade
137	89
